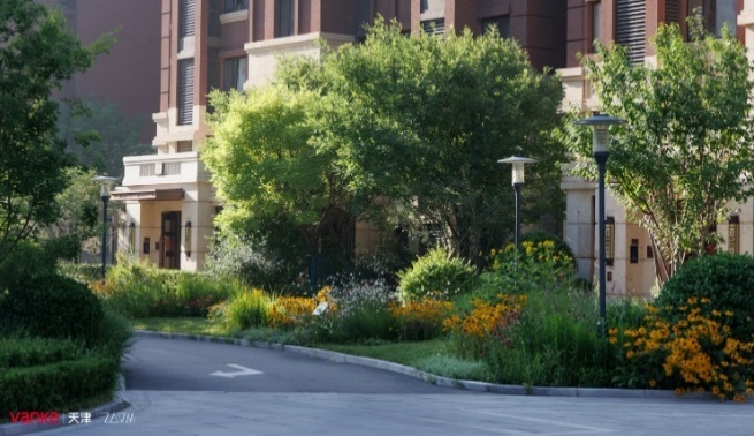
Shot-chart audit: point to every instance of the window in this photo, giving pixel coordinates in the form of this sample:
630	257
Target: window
630	28
433	27
500	22
715	13
649	252
595	22
234	74
284	11
185	91
634	251
234	5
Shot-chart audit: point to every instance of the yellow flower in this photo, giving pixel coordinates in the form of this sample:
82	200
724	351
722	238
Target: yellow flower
612	340
729	313
651	383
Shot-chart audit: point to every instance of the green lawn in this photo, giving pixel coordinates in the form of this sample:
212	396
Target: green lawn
409	353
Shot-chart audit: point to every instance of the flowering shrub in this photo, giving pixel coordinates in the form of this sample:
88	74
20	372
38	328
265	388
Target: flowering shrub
486	320
287	312
420	320
696	353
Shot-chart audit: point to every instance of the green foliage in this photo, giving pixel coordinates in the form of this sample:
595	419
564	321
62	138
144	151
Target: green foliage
39	53
686	148
30	352
725	279
81	271
437	272
53	306
79	204
64	385
554	343
30	260
397	118
140	289
254	263
560	248
245	310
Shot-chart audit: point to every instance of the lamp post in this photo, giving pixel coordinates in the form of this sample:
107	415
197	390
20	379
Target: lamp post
106	184
601	139
517	180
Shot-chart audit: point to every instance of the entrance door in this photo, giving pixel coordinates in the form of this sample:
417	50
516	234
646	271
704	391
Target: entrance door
170	245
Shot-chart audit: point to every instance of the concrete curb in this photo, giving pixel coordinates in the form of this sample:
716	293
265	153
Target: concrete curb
115	405
436	379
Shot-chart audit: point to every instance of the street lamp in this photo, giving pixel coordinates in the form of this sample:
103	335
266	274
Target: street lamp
517	180
106	184
601	139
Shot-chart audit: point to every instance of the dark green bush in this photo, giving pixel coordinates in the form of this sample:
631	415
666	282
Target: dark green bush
53	306
65	385
726	280
437	272
29	352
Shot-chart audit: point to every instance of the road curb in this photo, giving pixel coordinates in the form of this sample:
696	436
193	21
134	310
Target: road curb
113	406
477	386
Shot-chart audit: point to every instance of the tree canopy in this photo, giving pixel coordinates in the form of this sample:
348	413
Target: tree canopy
687	146
420	121
37	52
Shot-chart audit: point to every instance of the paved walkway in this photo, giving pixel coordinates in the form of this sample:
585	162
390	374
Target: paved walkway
463	413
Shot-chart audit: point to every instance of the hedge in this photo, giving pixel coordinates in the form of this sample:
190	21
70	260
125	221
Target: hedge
65	385
30	352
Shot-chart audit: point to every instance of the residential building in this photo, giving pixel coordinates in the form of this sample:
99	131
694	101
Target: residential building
127	76
631	271
170	201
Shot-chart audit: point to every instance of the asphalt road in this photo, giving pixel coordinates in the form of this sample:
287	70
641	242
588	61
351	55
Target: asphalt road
172	391
162	364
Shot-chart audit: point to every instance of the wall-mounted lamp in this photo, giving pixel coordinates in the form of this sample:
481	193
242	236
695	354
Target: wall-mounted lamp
132	237
187	238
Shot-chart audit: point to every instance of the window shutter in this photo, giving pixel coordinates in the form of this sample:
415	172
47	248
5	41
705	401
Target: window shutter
188	9
630	28
434	27
185	91
672	11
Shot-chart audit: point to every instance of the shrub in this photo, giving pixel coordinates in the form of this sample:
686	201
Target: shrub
234	257
29	352
723	279
53	306
139	289
248	309
420	320
696	352
437	272
65	385
560	246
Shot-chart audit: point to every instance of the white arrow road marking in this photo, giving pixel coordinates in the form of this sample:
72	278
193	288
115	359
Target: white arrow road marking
243	371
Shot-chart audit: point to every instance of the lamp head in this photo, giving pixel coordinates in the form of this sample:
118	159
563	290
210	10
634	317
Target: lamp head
600	123
517	167
106	184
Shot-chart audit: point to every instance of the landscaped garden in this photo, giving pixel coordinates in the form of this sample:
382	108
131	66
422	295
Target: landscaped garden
521	320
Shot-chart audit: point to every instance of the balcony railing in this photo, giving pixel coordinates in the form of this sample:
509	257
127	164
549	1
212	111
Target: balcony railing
172	168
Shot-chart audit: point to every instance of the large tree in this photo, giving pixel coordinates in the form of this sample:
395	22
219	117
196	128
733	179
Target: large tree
37	52
420	121
687	146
